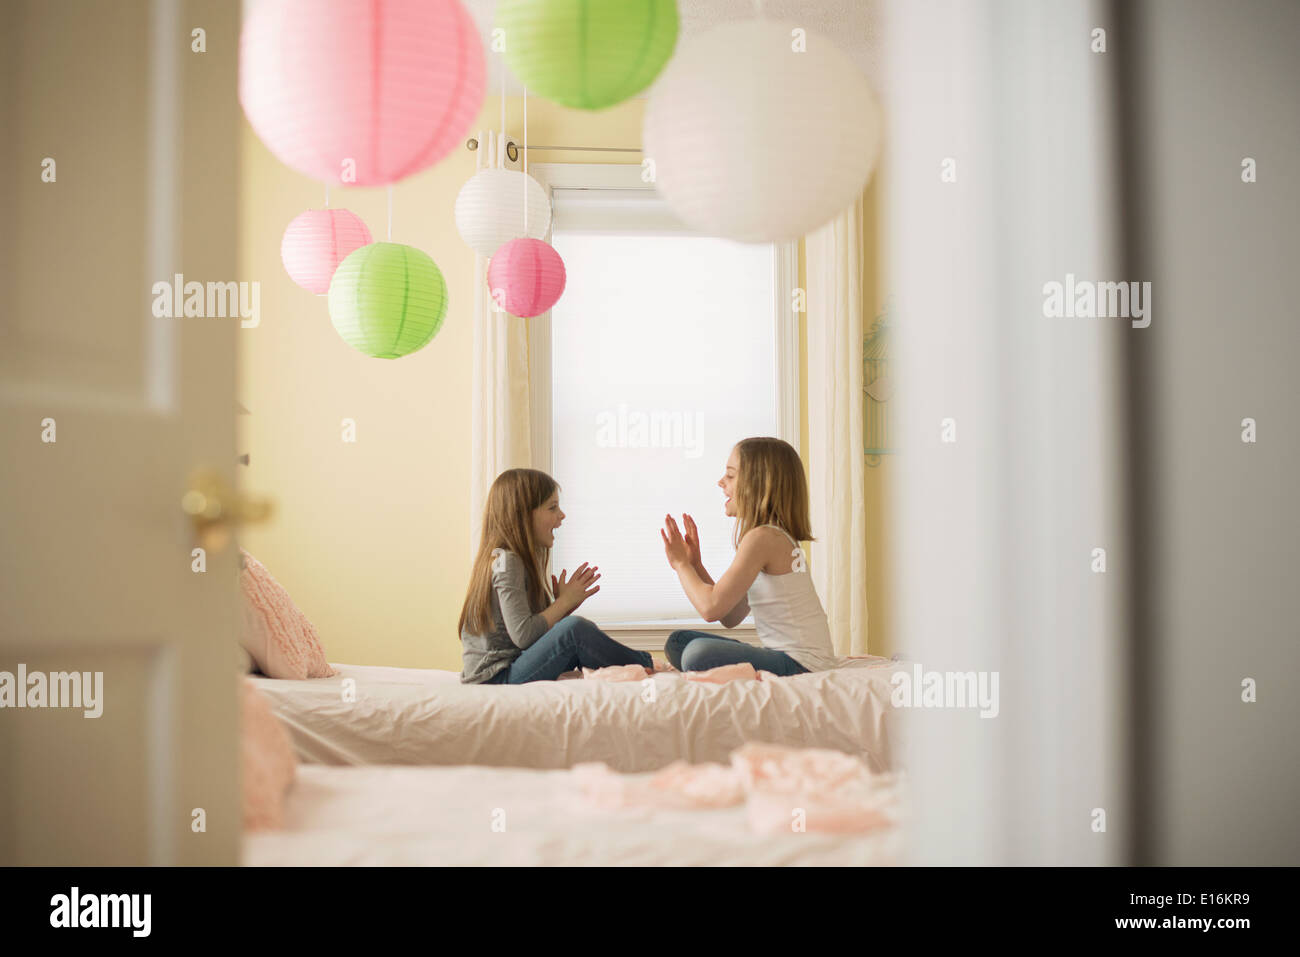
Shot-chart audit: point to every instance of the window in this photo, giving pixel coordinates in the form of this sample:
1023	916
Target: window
666	348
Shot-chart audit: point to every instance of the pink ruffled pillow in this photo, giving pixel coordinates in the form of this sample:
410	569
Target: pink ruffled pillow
267	761
275	632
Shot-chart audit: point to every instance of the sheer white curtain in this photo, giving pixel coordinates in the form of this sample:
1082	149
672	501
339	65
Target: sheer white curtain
836	466
500	417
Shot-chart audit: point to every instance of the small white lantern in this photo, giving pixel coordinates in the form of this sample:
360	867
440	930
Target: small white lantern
490	209
760	131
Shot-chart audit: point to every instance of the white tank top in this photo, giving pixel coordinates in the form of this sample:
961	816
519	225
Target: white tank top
788	615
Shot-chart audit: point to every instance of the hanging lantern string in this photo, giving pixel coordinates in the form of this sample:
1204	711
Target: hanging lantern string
390	213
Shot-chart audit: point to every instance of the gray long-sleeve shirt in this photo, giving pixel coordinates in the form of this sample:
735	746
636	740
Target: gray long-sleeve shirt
515	625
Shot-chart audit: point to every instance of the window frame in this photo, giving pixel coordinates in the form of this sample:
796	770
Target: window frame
785	328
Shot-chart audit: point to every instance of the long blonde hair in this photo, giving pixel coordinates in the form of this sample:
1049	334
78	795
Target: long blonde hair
508	524
770	489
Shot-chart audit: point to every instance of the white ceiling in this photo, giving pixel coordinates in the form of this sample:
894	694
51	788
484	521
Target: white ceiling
854	25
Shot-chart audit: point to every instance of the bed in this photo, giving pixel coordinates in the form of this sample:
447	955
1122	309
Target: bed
394	816
401	716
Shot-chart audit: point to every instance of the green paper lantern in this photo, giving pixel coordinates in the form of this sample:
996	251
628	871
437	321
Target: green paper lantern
387	300
587	54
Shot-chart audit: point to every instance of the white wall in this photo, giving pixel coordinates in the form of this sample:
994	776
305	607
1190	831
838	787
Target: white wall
1219	779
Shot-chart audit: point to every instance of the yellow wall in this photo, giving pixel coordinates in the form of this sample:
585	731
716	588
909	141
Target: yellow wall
371	539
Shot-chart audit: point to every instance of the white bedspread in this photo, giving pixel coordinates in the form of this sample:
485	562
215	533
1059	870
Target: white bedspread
412	716
445	816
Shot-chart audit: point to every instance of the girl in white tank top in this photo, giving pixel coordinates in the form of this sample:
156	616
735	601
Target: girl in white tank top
788	615
767	493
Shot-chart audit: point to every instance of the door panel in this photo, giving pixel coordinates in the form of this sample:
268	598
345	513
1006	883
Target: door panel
95	553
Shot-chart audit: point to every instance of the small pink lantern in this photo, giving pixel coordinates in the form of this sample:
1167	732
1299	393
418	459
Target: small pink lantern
316	241
361	92
526	277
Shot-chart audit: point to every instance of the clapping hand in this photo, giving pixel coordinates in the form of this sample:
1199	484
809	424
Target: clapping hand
578	588
676	548
692	541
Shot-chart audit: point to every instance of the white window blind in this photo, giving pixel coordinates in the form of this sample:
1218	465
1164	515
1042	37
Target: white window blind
663	355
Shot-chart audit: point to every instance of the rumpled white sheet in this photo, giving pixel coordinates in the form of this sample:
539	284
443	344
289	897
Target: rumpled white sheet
375	715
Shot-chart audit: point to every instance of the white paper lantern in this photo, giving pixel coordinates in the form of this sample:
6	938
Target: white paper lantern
756	139
490	209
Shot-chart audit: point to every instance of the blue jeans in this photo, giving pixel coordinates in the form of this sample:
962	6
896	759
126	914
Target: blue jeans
700	651
572	643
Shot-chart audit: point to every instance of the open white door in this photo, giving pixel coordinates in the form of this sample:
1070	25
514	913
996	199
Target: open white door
1011	426
105	412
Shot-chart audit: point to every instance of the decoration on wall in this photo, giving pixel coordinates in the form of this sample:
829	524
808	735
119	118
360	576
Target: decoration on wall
387	300
359	92
761	131
878	386
526	277
316	241
587	54
490	209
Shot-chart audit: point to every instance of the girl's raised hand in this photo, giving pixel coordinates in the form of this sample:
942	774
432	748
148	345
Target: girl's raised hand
675	547
578	588
692	540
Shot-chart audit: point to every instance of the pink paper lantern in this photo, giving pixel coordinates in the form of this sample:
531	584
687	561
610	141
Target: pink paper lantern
316	241
526	277
361	92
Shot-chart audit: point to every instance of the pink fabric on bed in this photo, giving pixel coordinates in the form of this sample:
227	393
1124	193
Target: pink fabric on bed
267	762
806	789
720	675
774	767
616	673
774	812
680	785
786	790
275	632
741	671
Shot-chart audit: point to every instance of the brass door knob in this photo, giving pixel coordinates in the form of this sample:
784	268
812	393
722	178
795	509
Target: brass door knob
214	508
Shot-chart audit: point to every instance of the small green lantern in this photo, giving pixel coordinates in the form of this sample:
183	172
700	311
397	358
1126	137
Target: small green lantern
387	300
587	54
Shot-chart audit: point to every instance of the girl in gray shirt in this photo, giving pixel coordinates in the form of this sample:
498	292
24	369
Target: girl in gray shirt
513	629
